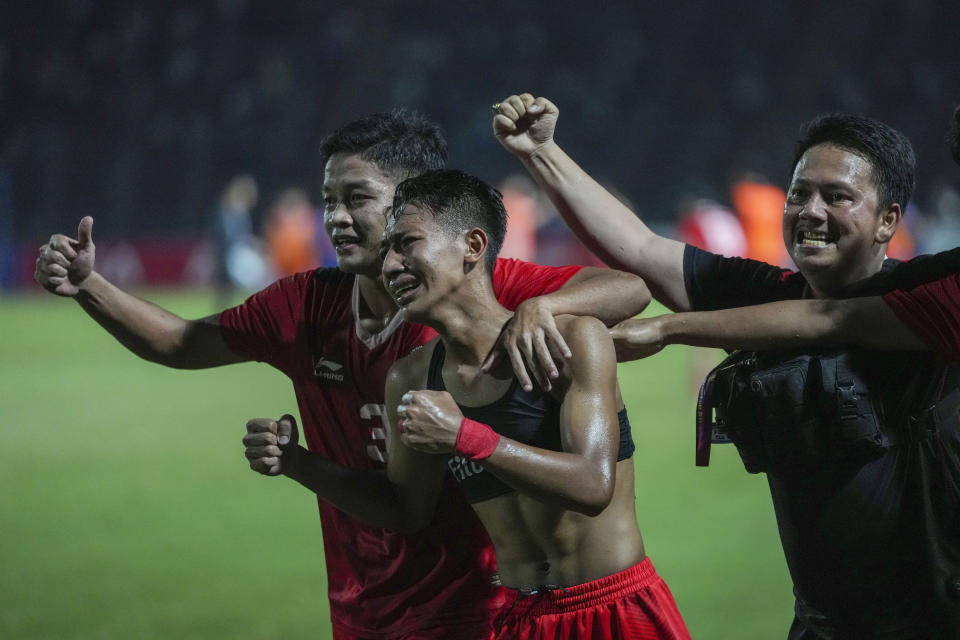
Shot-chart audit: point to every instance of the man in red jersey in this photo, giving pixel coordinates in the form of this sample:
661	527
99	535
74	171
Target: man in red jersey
335	333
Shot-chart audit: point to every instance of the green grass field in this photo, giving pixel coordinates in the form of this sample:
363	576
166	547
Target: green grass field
128	509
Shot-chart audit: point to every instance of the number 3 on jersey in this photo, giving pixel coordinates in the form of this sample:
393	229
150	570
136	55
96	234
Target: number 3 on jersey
377	447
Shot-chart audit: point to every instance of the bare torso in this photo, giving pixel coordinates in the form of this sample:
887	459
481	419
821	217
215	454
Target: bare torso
539	543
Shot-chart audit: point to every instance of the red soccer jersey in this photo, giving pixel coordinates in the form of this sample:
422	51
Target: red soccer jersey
382	584
932	310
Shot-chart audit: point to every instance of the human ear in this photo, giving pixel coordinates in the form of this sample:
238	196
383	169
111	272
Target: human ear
888	223
476	242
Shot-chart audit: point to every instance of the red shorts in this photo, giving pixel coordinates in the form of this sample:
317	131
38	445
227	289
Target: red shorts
634	603
476	630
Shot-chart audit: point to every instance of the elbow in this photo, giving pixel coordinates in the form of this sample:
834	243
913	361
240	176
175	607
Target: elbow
178	346
597	498
642	297
635	295
167	356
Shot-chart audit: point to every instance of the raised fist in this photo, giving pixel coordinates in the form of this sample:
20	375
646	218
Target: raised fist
523	123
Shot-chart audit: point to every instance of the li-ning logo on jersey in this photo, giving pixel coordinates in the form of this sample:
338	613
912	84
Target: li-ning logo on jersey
328	370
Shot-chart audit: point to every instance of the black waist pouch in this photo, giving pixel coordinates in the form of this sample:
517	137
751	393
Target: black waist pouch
788	412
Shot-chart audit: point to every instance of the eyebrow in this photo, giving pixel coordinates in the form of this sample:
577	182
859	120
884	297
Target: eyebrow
362	183
834	184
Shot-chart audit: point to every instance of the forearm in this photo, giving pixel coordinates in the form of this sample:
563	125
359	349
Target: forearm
366	494
567	480
581	476
151	332
609	295
607	227
789	324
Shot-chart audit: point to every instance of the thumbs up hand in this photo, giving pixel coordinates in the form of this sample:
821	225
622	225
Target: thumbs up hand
64	263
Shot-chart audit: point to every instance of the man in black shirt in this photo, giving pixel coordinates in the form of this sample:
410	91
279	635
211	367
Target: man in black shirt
873	544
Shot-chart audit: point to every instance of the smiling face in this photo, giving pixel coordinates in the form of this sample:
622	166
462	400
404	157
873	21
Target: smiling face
832	226
357	197
422	263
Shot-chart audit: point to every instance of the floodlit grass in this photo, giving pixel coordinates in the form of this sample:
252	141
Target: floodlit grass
128	509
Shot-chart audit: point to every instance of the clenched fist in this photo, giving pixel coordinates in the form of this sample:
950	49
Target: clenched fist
523	124
429	421
267	441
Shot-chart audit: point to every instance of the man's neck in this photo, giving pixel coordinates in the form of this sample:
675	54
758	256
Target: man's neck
826	286
469	324
376	309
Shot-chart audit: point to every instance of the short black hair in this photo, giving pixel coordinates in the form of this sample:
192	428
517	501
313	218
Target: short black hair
955	135
458	202
887	150
403	143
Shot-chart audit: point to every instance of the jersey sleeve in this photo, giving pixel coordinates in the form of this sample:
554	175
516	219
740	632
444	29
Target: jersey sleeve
515	280
717	282
264	327
932	310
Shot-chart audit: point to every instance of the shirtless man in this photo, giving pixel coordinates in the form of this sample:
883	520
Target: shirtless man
548	473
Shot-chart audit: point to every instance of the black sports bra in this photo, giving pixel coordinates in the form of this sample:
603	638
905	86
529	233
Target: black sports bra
529	417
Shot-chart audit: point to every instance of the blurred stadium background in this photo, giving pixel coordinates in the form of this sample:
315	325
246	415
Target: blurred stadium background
128	510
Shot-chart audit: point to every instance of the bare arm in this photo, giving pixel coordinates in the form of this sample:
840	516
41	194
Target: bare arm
579	478
65	267
863	322
609	295
531	339
525	127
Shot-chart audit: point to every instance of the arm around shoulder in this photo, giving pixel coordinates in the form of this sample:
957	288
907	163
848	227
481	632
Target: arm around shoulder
607	294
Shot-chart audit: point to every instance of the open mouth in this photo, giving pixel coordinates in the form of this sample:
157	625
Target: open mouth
814	239
404	291
343	243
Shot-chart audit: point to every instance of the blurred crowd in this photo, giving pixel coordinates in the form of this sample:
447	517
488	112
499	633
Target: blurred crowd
139	113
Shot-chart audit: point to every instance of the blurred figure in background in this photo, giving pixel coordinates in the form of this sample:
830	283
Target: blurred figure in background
290	231
8	263
239	262
759	205
523	217
712	227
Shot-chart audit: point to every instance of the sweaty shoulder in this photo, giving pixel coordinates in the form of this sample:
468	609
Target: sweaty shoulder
410	371
594	357
588	338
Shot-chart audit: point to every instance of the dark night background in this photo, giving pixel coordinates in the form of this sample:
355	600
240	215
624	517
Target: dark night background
138	112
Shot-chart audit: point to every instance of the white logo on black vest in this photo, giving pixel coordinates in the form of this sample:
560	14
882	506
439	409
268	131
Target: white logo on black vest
328	370
463	468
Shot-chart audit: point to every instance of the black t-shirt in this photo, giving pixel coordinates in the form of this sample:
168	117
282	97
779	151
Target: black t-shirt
873	548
